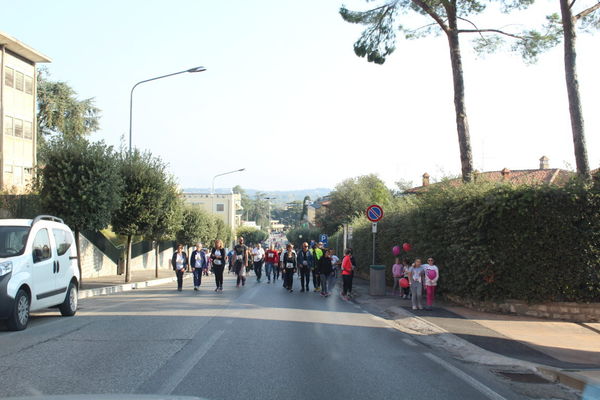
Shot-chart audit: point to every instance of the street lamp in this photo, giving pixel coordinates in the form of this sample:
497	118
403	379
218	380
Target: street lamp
191	70
269	202
212	191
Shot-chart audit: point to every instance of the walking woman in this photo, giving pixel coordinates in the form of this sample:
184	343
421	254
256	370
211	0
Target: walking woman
347	274
289	265
217	255
179	261
325	267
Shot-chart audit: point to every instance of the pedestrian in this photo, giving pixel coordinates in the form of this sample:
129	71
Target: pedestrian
217	255
281	265
271	258
432	275
325	270
351	279
305	266
317	251
397	274
290	264
405	267
198	261
258	256
179	262
336	263
230	260
240	257
416	274
346	274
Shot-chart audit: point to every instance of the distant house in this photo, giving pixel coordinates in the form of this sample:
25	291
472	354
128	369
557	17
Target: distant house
543	175
316	209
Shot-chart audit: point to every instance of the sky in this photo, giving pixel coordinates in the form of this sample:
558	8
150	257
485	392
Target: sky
285	97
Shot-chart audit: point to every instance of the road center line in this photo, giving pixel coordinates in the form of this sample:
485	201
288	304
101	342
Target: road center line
184	369
489	393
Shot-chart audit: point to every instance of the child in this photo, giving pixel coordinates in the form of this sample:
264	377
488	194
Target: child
416	276
397	274
405	267
431	279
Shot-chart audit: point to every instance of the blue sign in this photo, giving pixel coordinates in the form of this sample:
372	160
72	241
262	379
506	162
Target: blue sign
374	213
324	239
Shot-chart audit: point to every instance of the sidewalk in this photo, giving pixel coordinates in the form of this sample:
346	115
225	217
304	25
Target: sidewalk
562	351
116	283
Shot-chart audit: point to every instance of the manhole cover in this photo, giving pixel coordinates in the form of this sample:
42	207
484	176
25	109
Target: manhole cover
522	377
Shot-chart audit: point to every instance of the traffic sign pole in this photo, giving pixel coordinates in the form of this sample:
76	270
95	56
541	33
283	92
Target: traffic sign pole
374	214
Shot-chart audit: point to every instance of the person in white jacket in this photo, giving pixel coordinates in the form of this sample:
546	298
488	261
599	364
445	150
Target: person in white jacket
432	274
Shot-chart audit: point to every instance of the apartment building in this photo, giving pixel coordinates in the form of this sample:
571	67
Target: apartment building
227	206
17	112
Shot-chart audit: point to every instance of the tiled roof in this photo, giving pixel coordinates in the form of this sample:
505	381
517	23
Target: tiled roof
555	176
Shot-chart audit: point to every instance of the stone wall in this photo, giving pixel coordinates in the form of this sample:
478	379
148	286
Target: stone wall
576	312
95	264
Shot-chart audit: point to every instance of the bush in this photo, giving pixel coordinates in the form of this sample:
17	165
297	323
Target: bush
251	235
492	242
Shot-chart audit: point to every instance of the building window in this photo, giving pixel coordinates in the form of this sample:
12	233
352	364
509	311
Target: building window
27	130
18	127
9	77
8	169
220	207
28	85
8	125
19	81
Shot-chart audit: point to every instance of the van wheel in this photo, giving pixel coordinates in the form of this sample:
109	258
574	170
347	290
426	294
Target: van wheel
69	307
20	315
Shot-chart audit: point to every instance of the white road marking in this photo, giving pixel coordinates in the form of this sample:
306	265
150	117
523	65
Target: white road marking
489	393
184	369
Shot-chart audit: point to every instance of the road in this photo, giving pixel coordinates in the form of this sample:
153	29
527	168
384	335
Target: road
255	342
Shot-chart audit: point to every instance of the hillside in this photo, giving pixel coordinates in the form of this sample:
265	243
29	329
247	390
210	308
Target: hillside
282	196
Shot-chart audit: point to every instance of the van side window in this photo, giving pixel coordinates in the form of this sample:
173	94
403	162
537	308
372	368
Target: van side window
63	241
41	246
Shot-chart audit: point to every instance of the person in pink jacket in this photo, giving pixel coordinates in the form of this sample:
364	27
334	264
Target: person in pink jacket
432	274
397	274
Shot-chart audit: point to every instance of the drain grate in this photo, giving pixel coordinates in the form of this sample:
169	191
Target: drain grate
521	377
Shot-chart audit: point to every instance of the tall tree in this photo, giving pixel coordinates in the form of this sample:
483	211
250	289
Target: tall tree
169	215
192	226
564	28
378	41
351	198
61	112
146	183
81	183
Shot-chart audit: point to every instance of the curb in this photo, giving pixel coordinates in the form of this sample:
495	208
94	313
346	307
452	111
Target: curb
125	287
431	334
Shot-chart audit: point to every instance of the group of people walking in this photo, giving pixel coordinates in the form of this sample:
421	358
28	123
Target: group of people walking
319	263
416	276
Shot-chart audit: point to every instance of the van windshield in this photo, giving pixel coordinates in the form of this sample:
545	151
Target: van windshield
13	240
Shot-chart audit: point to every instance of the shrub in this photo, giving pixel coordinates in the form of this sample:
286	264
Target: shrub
532	243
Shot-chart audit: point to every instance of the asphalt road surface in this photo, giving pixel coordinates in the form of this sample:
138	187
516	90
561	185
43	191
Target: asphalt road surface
255	342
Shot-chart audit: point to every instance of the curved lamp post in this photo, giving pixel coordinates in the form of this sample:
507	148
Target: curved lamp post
195	69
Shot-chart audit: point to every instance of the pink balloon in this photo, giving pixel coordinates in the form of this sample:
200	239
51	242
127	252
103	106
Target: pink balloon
406	247
404	283
396	250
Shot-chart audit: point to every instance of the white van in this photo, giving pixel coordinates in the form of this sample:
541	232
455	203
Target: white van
38	268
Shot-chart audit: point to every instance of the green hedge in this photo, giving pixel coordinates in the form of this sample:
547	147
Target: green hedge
495	242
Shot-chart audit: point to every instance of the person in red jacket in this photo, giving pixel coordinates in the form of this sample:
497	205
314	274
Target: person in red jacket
271	260
346	274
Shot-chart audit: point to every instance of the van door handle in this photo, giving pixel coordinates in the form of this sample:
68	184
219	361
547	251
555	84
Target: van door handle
57	267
